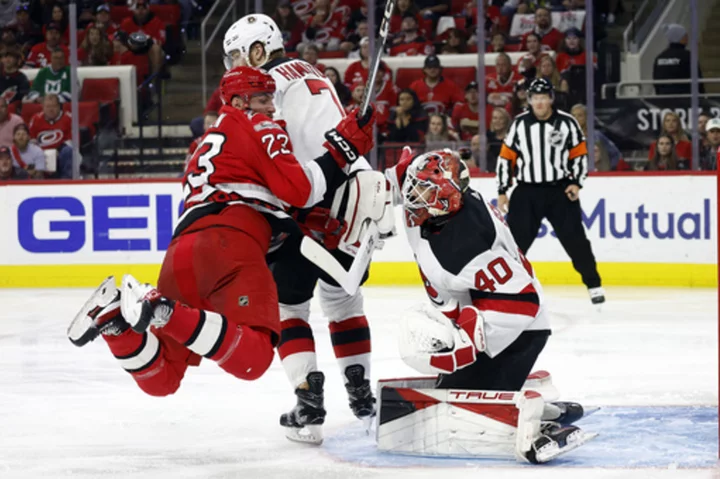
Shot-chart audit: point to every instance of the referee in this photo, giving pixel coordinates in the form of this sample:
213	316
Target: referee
546	153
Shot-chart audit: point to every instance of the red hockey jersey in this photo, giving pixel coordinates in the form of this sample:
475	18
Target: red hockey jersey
51	134
154	28
39	56
438	99
247	159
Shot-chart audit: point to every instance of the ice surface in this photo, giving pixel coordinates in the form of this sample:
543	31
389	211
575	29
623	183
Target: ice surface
650	359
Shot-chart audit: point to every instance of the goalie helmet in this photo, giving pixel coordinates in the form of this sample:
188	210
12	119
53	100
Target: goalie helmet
249	30
433	186
245	82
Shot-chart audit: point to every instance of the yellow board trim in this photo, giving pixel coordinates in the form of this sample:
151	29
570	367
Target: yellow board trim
386	274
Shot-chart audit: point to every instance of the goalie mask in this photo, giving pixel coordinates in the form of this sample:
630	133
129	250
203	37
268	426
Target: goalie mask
433	186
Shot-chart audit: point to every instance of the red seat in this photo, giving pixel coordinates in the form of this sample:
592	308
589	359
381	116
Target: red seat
28	110
457	6
461	76
12	107
170	14
405	76
88	114
106	91
337	54
118	13
513	47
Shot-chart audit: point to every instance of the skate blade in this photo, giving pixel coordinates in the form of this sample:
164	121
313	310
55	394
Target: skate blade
305	435
573	442
368	423
82	328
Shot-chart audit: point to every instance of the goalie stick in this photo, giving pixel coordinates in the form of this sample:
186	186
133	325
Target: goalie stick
350	279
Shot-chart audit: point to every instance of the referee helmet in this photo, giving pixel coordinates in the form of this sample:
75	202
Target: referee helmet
541	86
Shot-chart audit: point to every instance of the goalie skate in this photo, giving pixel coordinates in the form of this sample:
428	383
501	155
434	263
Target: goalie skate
555	441
99	315
304	422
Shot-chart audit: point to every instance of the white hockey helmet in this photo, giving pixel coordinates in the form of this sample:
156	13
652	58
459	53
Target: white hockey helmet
247	31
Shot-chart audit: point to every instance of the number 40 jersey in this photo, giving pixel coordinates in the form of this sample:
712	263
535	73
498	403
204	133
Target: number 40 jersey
471	259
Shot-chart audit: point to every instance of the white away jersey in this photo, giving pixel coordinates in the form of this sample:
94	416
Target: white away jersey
307	102
472	259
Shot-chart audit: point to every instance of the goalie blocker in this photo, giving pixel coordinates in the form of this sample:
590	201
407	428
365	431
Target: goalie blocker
416	419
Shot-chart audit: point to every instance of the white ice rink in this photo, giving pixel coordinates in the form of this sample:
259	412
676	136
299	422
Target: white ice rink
69	412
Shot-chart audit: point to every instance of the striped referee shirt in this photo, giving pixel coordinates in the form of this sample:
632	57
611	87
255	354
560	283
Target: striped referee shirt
542	151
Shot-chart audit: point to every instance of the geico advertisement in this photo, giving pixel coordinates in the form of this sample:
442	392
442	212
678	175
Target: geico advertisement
629	219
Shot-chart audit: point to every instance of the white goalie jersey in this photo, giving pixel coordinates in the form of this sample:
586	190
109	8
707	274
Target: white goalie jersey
471	259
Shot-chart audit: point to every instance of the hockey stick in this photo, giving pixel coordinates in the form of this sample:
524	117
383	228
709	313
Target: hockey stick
375	65
350	279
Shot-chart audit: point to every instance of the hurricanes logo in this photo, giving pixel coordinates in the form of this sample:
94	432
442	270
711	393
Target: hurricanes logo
50	137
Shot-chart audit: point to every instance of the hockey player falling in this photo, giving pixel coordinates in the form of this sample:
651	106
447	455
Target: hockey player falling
307	102
216	297
486	331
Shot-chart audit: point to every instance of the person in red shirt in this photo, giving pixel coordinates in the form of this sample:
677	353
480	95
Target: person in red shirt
52	129
122	55
357	90
326	26
549	35
361	68
436	94
41	53
672	127
466	115
409	42
500	86
103	22
402	9
216	297
573	52
145	21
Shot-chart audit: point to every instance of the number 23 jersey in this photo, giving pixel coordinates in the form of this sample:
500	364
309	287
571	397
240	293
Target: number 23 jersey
472	259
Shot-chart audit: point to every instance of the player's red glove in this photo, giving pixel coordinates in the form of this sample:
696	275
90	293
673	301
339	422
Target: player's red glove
351	138
321	226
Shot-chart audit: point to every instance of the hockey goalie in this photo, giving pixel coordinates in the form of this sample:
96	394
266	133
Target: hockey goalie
481	337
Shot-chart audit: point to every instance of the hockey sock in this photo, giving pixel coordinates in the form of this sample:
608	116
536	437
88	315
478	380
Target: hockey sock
297	349
242	351
351	343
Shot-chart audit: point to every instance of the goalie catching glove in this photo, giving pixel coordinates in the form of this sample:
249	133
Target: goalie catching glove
351	138
432	343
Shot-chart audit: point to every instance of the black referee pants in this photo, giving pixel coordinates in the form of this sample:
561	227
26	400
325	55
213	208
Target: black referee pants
530	203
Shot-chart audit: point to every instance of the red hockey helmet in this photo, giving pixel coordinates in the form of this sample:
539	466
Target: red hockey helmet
245	82
433	186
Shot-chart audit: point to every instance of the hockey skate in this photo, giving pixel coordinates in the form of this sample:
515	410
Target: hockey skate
99	315
597	296
143	306
362	402
304	422
555	440
565	413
